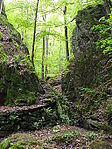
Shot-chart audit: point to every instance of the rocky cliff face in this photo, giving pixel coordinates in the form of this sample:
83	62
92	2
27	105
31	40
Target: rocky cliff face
86	56
18	79
88	81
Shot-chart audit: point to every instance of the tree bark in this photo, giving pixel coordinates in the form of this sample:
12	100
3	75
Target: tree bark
43	55
46	69
66	34
34	35
1	6
110	3
60	56
107	7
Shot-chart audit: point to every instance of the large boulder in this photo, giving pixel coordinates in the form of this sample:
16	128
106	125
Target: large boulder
101	144
86	57
18	80
88	80
89	62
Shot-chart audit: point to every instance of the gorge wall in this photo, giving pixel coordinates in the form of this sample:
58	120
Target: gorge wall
88	80
18	80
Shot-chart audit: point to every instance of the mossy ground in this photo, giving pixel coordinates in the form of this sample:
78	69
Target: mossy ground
20	141
59	136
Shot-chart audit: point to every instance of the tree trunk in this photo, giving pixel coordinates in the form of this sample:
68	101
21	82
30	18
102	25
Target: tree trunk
66	34
2	8
60	56
43	55
46	69
110	3
107	7
34	35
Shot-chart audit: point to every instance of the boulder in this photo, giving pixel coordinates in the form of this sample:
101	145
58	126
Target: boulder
100	145
17	75
88	80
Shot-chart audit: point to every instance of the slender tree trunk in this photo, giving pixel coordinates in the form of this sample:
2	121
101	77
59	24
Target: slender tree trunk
22	35
66	34
43	55
110	3
60	56
46	69
107	7
34	35
1	5
2	8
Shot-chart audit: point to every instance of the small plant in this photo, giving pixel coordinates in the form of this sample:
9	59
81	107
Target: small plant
5	144
36	125
56	128
64	109
64	137
13	117
105	40
48	111
91	135
39	124
108	110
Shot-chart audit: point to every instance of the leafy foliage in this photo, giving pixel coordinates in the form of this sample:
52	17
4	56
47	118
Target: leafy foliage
104	29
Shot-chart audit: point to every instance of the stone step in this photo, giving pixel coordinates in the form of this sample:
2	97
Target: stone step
27	117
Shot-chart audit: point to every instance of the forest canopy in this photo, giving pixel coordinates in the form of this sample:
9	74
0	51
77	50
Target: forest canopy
54	25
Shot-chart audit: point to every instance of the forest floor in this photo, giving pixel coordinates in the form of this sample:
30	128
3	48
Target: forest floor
60	136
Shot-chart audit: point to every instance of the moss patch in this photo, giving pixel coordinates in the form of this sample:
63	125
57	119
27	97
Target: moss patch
100	145
1	36
20	141
18	81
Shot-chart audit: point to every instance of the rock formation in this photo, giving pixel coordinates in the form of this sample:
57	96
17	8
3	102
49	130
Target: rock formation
18	80
88	80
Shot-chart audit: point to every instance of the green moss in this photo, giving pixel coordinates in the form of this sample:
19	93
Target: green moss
100	145
4	21
3	56
64	137
20	141
1	36
26	98
108	111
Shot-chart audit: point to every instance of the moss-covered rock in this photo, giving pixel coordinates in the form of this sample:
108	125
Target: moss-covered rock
20	141
108	111
18	80
17	76
88	80
100	145
87	58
